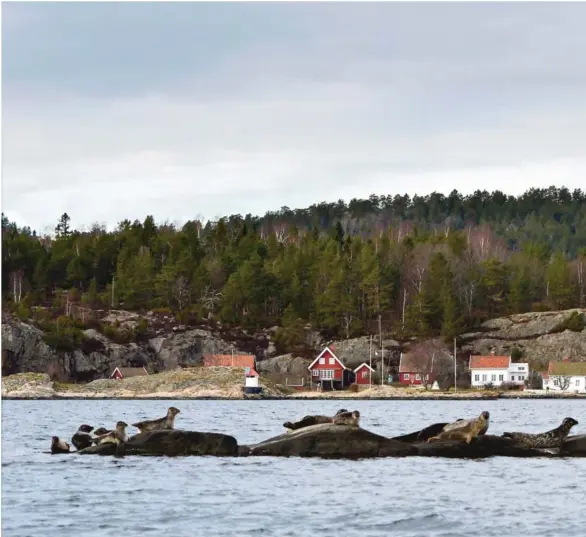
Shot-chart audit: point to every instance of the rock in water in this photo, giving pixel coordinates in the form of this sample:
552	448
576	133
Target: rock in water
330	441
479	448
171	443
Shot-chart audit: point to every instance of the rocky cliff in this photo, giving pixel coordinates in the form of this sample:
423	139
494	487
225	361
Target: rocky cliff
539	336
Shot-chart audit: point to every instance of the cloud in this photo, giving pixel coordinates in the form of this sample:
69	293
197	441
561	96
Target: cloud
191	109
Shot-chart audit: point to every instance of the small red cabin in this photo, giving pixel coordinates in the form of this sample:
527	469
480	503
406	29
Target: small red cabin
363	374
329	371
125	372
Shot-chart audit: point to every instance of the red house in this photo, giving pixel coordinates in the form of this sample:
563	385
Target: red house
329	371
125	372
363	374
414	368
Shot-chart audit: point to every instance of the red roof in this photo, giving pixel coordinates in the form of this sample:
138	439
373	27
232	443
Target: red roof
252	373
489	362
227	360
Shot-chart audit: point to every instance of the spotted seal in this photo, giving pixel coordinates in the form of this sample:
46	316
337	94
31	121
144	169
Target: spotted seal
117	436
101	431
58	445
550	439
306	421
464	430
168	422
82	438
347	418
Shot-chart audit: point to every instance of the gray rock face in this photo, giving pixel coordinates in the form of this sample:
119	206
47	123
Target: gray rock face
186	348
24	350
355	351
532	333
286	363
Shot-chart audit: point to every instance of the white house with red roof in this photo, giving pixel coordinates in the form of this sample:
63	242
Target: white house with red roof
496	370
329	371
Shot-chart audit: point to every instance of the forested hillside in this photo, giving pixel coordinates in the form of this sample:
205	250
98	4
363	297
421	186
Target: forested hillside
427	265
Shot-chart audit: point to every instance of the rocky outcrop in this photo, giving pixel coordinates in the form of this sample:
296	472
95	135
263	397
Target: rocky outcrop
330	441
284	364
24	350
28	386
171	443
535	334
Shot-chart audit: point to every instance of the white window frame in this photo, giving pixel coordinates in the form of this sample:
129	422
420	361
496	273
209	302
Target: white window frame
364	373
322	360
315	372
406	376
417	376
512	378
501	378
484	378
493	378
477	377
326	374
332	361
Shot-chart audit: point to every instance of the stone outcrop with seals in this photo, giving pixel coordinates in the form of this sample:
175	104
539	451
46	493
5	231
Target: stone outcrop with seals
170	443
330	441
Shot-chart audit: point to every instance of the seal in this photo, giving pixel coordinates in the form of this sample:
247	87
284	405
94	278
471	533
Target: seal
168	422
550	439
117	436
464	430
102	430
82	438
306	421
347	418
58	445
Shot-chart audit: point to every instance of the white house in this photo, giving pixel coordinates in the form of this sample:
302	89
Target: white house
251	378
565	376
496	370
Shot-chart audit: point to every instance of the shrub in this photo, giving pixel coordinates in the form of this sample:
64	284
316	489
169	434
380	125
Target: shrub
574	322
353	387
510	386
516	354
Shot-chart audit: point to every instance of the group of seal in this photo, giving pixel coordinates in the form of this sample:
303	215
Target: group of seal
341	417
83	438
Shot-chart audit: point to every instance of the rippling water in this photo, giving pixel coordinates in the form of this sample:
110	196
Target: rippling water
63	495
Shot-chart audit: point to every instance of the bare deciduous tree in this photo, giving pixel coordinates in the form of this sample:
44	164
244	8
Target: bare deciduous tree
562	381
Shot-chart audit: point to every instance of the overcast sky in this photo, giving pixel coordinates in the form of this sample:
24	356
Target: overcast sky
119	110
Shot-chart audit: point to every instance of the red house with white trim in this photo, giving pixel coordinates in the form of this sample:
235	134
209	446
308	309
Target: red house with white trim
413	369
363	374
328	370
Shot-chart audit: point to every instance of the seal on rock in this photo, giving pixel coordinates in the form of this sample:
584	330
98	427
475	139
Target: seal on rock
550	439
464	430
347	418
58	445
117	436
306	421
82	438
166	423
101	431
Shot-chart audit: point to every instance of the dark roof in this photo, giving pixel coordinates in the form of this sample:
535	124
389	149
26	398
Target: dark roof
131	371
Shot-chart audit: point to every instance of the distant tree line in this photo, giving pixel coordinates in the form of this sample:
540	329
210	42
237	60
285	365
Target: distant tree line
432	265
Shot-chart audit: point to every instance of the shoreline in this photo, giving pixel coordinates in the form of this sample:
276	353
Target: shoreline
153	397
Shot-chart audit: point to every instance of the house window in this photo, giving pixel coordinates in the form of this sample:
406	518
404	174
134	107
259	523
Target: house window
332	361
477	378
501	377
315	373
364	374
493	378
556	382
577	382
426	377
417	377
322	360
522	377
512	377
327	374
483	378
406	376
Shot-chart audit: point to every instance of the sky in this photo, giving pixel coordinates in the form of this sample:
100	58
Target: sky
200	110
